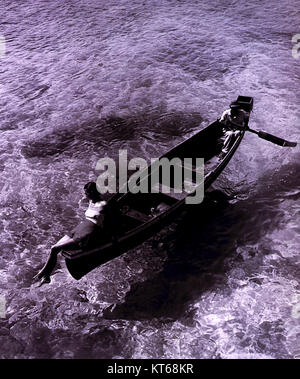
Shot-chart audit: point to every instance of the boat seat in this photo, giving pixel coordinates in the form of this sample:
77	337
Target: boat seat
137	215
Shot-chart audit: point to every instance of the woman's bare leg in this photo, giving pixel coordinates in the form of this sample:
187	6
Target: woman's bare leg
44	274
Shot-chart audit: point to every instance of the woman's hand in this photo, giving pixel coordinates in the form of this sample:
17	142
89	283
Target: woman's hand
83	199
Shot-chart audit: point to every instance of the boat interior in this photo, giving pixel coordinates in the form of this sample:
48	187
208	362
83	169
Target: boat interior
139	208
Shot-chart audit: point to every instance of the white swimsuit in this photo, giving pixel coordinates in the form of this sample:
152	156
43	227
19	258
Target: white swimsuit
94	211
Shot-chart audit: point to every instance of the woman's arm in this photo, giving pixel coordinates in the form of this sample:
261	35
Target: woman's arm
82	200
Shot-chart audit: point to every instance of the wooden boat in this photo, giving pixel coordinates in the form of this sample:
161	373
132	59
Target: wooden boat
143	214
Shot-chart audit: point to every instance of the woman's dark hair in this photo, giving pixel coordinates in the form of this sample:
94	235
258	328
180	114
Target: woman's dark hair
91	191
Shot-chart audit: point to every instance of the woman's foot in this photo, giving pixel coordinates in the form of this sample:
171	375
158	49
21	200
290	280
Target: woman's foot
41	278
44	280
37	277
39	281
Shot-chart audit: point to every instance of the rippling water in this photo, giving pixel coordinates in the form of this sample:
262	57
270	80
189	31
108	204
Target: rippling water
83	79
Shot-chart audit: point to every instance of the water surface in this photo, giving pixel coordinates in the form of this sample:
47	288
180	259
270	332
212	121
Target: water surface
83	79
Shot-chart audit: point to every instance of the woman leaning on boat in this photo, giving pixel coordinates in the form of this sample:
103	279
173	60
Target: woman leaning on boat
82	234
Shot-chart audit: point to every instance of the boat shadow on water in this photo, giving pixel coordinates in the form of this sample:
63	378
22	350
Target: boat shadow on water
200	244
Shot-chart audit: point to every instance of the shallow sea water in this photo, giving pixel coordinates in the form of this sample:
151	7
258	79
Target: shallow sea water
83	79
